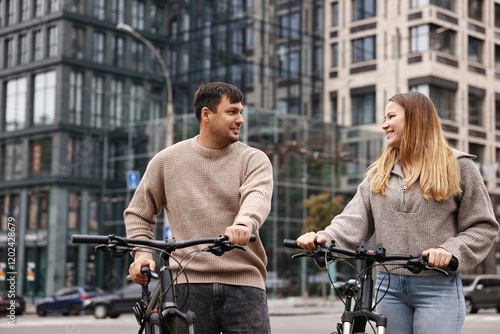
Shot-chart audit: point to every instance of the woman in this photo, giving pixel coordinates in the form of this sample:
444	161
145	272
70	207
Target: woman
421	196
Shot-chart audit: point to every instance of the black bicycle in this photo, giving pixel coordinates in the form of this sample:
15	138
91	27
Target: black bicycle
156	313
356	317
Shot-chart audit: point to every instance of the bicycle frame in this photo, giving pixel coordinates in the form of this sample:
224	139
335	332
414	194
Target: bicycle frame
151	319
354	321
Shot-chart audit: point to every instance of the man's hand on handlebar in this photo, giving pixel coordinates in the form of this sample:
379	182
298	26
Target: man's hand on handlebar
308	241
238	234
437	257
135	269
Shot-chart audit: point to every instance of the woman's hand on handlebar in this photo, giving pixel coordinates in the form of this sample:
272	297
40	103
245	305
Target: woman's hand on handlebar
309	240
437	257
135	269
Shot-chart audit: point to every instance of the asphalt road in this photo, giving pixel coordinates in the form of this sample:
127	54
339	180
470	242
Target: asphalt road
486	321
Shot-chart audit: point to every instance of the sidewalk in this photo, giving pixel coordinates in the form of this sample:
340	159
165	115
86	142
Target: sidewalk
281	306
303	306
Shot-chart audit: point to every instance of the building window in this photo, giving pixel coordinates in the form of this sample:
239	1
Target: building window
117	50
11	12
363	9
78	6
78	42
475	108
75	97
318	19
41	157
446	4
74	157
443	99
14	161
497	15
37	45
317	64
25	10
442	39
497	57
427	36
478	151
116	108
44	108
157	15
419	38
136	103
38	214
363	109
117	11
364	49
335	14
497	112
96	101
238	43
53	42
249	35
334	103
9	207
137	56
54	6
476	9
290	25
16	96
22	47
94	201
39	8
99	9
138	14
335	54
475	49
73	210
9	52
98	49
155	63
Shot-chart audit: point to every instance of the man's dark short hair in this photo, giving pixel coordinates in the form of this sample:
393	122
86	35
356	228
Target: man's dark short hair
210	94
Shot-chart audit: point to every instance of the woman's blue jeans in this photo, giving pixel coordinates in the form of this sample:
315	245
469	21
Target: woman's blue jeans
223	308
421	304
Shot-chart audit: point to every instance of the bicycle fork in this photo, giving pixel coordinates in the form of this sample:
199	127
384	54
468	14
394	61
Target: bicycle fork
355	321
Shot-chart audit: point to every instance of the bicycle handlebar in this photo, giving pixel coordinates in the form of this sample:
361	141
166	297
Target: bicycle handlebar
364	251
118	245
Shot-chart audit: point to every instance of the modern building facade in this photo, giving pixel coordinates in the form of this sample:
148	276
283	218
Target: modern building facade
82	104
83	109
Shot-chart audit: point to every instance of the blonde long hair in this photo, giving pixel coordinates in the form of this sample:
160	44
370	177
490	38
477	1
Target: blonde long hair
424	152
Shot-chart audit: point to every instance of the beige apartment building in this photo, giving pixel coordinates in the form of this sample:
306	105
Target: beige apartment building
448	50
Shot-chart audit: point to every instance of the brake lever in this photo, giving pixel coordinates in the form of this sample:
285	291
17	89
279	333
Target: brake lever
116	246
222	246
417	264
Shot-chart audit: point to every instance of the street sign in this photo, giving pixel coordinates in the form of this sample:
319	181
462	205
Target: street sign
133	178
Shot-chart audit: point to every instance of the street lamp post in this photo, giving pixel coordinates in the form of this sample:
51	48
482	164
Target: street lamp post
170	107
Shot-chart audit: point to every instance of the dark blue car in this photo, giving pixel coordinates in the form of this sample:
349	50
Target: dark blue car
68	300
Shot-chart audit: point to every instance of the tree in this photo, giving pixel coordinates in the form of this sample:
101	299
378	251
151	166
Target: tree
320	211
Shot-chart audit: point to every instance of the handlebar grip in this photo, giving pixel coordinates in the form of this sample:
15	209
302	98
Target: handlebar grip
453	265
253	237
89	239
290	243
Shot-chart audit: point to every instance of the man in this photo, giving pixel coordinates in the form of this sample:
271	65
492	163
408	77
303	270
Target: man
211	184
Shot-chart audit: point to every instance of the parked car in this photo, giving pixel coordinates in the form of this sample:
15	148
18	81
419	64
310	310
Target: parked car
68	300
6	303
482	291
122	301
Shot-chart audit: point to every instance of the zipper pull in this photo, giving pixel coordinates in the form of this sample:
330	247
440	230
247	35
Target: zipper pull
404	195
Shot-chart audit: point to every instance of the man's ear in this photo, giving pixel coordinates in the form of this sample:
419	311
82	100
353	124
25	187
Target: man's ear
205	114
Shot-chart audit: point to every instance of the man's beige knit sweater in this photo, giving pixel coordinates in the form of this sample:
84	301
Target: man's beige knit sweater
204	191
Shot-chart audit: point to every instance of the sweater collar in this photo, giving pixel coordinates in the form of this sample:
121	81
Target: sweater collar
210	152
